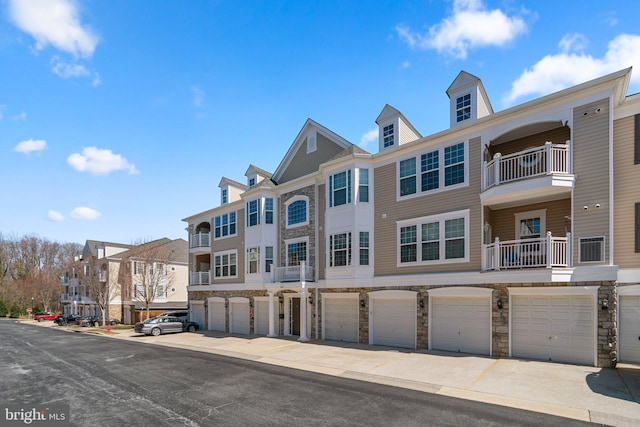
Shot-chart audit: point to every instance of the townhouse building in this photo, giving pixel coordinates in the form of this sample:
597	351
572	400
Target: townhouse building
509	234
127	279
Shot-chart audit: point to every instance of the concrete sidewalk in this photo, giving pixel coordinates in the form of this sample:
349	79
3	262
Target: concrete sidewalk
607	396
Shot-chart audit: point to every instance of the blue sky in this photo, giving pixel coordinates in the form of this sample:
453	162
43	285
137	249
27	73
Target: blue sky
119	118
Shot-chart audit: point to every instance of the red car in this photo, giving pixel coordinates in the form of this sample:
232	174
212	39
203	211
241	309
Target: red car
45	315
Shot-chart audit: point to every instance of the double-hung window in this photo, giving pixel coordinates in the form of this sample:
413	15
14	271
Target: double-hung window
225	225
363	185
226	264
463	108
443	238
340	250
340	188
296	252
454	164
408	176
387	136
253	212
364	248
253	260
268	258
268	210
429	168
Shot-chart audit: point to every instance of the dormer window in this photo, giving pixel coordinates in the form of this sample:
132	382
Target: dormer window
463	108
252	182
225	197
388	135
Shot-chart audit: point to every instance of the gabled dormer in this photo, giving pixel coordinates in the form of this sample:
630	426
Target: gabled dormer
230	191
394	129
255	175
468	100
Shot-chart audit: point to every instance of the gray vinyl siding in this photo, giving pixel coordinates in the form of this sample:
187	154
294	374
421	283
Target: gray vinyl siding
388	211
626	177
229	244
305	164
503	221
591	168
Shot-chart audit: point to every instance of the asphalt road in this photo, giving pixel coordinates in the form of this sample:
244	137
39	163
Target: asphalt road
109	382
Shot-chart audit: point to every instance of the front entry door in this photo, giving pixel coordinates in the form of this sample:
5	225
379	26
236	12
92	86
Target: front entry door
294	318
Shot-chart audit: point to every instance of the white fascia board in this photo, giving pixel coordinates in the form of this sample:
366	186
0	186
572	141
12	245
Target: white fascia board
629	275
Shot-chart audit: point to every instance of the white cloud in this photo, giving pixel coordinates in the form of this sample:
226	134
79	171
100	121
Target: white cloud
369	137
405	64
573	43
20	116
99	161
55	216
96	80
556	72
198	96
31	145
56	23
67	71
470	26
83	212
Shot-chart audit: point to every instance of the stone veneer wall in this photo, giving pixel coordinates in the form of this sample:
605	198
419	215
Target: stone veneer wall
606	323
308	230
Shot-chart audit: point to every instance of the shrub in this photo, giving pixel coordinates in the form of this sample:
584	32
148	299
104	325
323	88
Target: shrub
3	309
15	311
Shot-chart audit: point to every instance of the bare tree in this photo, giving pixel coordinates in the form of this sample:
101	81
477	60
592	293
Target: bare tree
149	273
98	285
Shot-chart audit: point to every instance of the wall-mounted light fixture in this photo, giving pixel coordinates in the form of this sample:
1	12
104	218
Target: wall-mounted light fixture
363	303
311	299
421	303
281	299
250	303
605	304
499	304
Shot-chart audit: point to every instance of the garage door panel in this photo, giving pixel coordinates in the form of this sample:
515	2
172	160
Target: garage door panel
563	330
460	324
197	315
217	316
240	321
262	317
629	328
394	322
341	319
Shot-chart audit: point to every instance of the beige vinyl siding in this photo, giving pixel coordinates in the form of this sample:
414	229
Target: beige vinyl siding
305	164
626	178
558	135
503	221
228	244
388	211
591	168
321	262
406	134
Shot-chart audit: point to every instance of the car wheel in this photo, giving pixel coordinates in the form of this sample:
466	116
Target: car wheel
191	328
40	319
155	332
113	323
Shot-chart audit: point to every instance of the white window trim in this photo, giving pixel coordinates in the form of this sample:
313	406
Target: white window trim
465	214
213	228
456	109
350	193
441	187
394	134
246	263
540	213
349	250
222	253
604	246
286	210
287	242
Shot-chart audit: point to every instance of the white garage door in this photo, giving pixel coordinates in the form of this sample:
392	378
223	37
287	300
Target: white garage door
393	322
216	316
340	319
261	317
461	324
239	318
556	328
196	313
630	329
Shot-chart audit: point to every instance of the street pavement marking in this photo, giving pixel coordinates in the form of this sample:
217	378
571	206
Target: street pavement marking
482	375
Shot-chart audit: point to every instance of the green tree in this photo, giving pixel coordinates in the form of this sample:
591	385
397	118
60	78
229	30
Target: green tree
3	309
15	311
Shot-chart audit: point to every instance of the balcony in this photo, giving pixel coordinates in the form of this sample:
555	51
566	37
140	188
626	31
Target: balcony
536	174
292	274
200	241
199	278
545	252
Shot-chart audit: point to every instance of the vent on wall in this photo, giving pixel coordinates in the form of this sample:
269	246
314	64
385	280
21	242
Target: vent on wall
312	145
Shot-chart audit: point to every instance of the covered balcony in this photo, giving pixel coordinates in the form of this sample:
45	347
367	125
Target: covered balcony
545	252
197	278
293	274
200	239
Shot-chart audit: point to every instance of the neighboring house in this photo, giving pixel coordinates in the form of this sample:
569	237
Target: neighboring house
111	272
510	234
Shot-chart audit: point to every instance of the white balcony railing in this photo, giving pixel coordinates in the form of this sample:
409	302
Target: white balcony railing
199	278
546	252
292	274
548	159
200	240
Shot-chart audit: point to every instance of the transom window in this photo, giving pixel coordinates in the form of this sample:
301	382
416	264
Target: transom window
387	136
340	250
340	188
463	108
434	175
443	238
226	264
225	225
297	212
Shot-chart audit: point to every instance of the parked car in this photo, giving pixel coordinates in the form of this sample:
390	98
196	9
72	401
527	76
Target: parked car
67	319
95	321
139	325
41	316
161	325
183	316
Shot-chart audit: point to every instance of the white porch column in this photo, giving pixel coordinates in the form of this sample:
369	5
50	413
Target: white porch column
272	326
303	305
